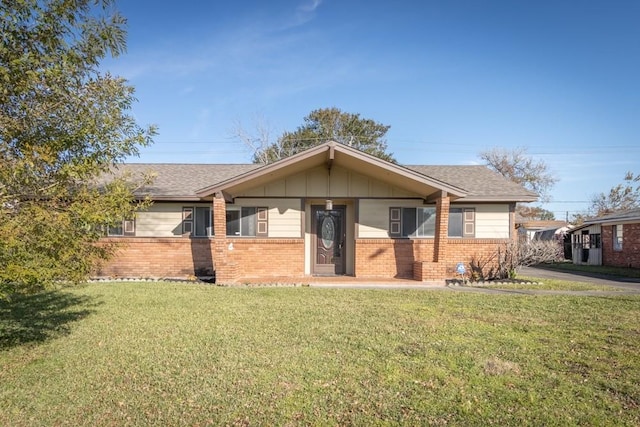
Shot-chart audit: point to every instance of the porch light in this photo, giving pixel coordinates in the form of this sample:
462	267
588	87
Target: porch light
328	205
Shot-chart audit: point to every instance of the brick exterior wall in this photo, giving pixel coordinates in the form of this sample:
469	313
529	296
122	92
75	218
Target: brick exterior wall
266	257
236	258
629	256
252	258
415	258
159	257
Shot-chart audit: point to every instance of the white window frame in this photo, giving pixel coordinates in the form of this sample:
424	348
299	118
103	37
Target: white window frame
618	237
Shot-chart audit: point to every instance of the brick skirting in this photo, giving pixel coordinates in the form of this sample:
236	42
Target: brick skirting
238	257
414	258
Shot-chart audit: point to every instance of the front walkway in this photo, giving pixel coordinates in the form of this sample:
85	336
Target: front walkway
626	286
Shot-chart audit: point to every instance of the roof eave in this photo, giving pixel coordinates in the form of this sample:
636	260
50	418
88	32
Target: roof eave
510	199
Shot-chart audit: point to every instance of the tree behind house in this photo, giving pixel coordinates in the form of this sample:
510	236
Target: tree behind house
322	125
517	166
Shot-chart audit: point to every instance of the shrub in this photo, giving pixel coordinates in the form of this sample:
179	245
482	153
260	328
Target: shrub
505	261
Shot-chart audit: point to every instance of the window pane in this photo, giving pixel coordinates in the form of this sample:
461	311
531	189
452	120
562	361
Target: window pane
248	227
233	223
203	222
617	237
116	230
426	222
455	222
408	221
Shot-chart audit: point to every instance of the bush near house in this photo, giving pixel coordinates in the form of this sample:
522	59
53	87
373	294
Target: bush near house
505	261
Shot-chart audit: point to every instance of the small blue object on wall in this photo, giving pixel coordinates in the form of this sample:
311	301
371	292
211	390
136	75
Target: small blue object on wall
460	268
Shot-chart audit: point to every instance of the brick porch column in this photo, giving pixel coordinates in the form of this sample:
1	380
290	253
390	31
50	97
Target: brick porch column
226	269
442	228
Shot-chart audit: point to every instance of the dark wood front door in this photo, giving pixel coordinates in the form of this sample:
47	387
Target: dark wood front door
329	238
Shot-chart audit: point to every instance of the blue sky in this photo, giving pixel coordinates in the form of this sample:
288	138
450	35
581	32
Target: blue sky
451	78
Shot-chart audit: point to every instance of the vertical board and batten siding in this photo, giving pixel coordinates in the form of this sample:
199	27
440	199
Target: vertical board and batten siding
284	215
316	182
163	219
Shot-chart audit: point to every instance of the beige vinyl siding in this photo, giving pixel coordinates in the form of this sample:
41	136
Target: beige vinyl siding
374	216
492	221
284	215
163	219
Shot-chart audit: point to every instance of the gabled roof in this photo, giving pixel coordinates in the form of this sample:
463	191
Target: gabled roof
330	154
631	215
195	182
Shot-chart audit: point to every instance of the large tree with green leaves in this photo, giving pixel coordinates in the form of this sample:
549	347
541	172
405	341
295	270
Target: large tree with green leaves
63	124
534	175
322	125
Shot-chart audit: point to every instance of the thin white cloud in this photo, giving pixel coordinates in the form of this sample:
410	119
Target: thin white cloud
304	13
310	7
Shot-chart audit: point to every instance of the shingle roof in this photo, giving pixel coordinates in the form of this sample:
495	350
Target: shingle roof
628	215
182	181
479	181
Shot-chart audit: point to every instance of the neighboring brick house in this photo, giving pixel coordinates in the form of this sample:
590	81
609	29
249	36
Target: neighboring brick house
611	240
330	210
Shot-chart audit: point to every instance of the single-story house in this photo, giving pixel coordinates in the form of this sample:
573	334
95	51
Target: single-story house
610	240
330	210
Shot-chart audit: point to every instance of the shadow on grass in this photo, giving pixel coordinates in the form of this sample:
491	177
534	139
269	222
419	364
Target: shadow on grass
40	317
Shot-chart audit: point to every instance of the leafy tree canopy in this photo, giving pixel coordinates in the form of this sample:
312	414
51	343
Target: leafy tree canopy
63	124
322	125
621	197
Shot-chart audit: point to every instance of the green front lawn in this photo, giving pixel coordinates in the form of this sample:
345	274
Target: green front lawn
181	354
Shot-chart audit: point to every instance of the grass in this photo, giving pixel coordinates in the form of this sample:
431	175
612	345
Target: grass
182	354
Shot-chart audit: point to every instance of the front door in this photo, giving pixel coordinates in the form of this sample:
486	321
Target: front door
329	238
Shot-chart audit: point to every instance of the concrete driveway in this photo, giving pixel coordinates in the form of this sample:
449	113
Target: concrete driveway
599	279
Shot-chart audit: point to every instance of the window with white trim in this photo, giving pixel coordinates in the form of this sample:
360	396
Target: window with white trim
617	237
247	221
412	222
